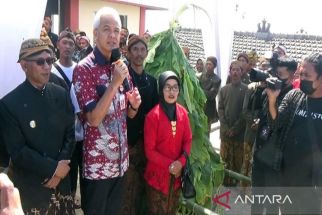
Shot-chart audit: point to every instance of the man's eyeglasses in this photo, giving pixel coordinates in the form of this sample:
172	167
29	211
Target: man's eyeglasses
41	61
174	88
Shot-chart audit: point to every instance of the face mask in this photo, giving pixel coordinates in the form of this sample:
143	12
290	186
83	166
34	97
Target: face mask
307	87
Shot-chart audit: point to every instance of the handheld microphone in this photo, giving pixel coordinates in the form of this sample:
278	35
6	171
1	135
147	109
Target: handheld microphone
115	58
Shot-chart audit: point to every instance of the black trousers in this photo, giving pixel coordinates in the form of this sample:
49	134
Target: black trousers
103	197
76	167
264	180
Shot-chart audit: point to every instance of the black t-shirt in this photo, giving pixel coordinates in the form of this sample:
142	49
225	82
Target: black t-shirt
303	142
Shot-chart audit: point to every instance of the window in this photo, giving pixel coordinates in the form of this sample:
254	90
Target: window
124	20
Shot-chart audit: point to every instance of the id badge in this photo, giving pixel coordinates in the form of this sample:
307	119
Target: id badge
122	101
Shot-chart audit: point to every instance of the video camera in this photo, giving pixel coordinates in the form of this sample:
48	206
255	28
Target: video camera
273	83
274	61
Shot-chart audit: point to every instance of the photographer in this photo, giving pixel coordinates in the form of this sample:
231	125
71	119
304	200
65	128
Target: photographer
263	175
299	118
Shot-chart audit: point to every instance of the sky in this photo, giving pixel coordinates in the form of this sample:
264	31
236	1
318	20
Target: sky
157	21
285	16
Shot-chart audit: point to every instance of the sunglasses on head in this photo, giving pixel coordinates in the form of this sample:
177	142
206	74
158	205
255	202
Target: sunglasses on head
41	61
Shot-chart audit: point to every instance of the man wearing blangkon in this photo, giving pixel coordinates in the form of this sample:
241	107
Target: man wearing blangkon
105	104
37	124
299	119
210	84
147	85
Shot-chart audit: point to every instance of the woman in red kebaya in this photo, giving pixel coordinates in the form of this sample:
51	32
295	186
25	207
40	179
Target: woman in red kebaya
167	134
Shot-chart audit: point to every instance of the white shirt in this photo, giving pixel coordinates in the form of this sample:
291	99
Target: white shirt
67	70
79	131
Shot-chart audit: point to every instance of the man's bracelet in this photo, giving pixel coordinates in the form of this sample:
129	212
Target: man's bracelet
134	109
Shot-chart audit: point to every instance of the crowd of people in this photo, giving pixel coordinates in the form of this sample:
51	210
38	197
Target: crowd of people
85	112
270	116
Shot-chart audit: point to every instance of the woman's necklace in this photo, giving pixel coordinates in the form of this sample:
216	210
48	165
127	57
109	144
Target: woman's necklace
174	127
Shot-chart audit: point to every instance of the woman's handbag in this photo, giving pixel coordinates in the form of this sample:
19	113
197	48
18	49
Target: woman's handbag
271	153
188	189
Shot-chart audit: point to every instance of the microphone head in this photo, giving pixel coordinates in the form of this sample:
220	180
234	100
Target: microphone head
116	55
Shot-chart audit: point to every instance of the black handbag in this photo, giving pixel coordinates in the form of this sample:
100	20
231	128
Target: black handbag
271	153
188	189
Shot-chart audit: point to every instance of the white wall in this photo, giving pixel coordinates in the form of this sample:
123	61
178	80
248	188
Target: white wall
87	9
217	28
223	15
19	20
